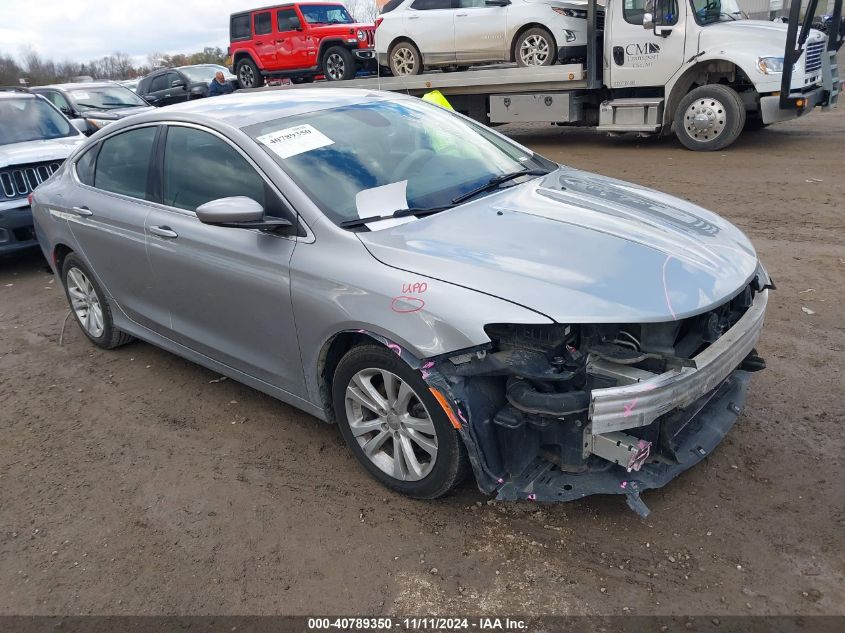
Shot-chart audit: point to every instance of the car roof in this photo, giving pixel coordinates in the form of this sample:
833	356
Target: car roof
288	4
16	94
242	109
76	86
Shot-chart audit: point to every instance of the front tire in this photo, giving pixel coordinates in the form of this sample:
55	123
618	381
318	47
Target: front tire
89	306
535	47
394	426
405	59
339	64
709	118
249	76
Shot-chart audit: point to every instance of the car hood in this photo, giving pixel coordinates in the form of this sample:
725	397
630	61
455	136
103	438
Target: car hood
769	36
578	247
116	113
38	151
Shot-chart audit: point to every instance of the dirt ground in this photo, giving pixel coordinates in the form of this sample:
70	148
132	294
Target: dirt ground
133	483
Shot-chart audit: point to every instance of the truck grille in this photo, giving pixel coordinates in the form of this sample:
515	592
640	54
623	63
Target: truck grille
21	180
371	37
599	20
813	57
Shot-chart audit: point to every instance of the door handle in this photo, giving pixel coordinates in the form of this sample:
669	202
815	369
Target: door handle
163	231
82	211
413	17
461	15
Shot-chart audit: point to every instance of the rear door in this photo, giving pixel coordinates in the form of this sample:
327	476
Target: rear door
109	214
158	90
177	87
263	40
431	26
480	32
227	289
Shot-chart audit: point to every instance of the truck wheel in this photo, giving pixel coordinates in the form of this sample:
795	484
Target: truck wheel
709	118
405	59
248	74
535	47
394	425
338	64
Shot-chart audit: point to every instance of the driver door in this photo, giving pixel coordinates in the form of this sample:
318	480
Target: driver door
431	26
636	55
226	290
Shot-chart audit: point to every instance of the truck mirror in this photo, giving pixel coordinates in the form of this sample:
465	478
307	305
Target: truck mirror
648	21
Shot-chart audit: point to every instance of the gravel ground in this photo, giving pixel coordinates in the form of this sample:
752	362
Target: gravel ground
131	482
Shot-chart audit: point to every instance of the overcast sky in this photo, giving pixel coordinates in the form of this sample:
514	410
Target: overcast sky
80	30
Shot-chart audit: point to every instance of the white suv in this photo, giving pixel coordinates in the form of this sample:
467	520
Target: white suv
450	34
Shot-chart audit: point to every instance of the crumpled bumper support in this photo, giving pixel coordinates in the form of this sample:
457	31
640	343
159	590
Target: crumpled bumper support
541	481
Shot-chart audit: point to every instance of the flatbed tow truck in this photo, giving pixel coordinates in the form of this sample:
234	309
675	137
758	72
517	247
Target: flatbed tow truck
673	65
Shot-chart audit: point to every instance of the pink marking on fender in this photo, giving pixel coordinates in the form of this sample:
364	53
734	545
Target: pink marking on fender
666	289
406	305
630	407
395	348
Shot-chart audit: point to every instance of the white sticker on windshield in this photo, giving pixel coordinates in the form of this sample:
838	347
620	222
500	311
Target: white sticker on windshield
383	201
81	96
295	140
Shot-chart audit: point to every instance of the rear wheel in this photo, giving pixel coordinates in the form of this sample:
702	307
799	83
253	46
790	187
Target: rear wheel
248	74
535	47
89	305
709	118
338	64
394	425
405	59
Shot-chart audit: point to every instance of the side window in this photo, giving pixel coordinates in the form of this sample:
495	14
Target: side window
57	99
471	4
428	5
287	20
159	83
200	167
633	10
123	164
263	25
85	166
239	27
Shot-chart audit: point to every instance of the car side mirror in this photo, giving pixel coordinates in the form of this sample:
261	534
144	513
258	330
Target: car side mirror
238	212
65	110
497	3
178	83
648	21
664	17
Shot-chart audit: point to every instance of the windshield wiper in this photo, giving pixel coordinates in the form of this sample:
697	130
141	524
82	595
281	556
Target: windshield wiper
401	213
498	180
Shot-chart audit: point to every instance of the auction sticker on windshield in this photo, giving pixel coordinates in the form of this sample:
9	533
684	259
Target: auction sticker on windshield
295	140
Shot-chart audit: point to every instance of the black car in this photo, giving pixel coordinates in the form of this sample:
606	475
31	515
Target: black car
96	103
173	85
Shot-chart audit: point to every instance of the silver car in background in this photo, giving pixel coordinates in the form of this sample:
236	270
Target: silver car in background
449	298
412	35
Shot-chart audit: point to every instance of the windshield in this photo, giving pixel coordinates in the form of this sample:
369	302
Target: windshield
204	73
375	158
325	14
31	119
105	98
711	11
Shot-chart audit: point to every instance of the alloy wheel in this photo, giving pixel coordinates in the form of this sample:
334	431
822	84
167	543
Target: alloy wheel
391	424
85	302
335	66
535	50
705	119
246	76
404	61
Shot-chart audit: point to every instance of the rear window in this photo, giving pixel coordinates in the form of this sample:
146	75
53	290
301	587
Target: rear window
240	28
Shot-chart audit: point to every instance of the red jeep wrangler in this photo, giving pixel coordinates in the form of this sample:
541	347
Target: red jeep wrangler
299	40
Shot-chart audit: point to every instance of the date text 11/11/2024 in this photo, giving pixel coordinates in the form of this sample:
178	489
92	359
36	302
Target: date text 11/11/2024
417	624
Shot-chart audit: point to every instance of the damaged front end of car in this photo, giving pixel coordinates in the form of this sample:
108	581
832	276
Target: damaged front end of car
562	411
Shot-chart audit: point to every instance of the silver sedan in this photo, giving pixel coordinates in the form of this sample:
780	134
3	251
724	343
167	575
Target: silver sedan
450	299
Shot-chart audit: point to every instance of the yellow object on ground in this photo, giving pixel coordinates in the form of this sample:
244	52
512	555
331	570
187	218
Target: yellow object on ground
436	97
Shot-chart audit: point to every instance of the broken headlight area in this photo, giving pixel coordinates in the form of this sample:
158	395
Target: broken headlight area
613	403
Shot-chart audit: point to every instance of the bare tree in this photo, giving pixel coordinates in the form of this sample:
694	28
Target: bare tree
363	10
